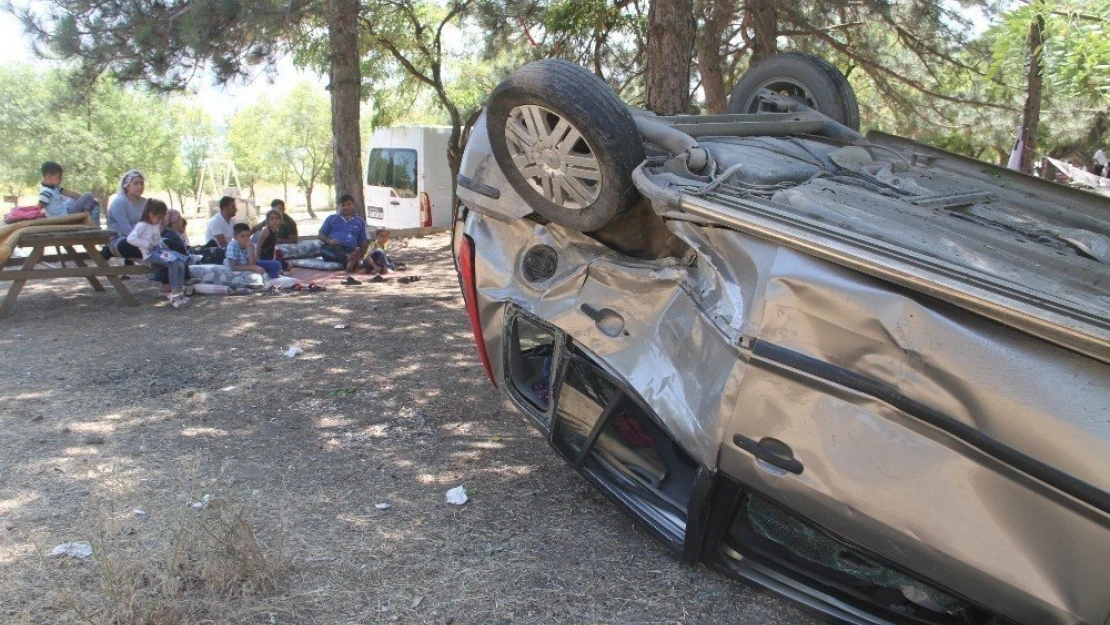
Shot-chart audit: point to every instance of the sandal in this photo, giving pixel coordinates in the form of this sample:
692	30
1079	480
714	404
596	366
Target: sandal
350	281
314	288
408	279
377	279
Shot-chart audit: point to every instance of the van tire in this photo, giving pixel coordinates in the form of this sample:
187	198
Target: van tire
811	79
571	147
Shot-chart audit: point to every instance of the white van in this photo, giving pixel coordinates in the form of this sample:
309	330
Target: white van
408	181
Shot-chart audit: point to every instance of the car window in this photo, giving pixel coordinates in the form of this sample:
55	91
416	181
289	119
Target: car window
393	168
532	361
636	455
404	173
583	398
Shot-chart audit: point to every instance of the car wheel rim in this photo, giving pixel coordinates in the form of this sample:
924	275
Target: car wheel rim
782	86
553	156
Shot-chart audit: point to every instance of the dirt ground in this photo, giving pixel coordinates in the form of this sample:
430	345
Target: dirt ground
107	409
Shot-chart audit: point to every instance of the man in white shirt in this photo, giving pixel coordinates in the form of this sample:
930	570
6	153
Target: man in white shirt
221	228
1101	160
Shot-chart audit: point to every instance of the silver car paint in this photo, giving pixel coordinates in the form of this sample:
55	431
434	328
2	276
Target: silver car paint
874	474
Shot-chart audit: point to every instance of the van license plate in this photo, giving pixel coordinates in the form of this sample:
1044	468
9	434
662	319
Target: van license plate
375	213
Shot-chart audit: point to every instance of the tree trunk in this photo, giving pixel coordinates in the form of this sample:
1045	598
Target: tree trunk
764	22
1031	113
169	194
670	41
308	200
346	82
711	63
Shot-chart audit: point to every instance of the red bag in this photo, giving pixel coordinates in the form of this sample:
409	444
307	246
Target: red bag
23	213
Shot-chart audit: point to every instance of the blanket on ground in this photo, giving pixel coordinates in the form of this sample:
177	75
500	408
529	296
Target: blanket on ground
302	249
220	274
316	263
10	234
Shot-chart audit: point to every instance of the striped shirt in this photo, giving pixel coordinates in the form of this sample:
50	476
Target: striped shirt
53	203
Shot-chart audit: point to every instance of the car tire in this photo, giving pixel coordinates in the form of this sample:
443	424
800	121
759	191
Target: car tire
810	79
566	143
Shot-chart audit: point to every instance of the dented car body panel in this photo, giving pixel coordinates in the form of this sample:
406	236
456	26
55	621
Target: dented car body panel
889	373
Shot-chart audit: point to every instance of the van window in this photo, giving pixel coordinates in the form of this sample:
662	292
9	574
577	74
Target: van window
393	168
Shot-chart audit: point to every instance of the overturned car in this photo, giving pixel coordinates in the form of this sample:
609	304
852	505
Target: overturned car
871	375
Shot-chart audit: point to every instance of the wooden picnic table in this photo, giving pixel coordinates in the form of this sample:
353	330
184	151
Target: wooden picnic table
90	240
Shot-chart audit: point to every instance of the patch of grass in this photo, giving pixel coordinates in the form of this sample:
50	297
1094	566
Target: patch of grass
342	392
199	565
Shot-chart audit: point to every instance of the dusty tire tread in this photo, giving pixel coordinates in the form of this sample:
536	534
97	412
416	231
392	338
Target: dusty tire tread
596	111
839	91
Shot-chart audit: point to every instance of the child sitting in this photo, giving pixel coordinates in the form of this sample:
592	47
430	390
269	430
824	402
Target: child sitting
269	237
241	255
377	261
147	237
57	202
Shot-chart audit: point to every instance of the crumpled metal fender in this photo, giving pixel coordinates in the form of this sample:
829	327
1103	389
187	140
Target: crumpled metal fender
675	357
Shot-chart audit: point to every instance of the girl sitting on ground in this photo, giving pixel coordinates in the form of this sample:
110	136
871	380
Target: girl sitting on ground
268	239
147	237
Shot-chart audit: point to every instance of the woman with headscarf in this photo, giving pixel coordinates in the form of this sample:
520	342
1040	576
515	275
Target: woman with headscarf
124	212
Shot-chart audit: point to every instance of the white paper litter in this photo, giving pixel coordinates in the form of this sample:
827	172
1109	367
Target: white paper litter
228	389
73	550
383	506
139	512
203	503
293	351
340	326
457	496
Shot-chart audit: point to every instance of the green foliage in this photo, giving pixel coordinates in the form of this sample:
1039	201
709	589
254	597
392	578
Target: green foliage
166	43
287	141
606	37
255	143
199	139
305	116
1076	52
95	135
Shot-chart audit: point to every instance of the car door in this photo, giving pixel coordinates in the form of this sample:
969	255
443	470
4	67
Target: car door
908	430
599	425
392	188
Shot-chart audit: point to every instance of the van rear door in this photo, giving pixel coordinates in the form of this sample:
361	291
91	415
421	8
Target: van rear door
392	187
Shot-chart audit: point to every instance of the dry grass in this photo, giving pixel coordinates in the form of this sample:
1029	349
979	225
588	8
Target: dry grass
195	565
105	409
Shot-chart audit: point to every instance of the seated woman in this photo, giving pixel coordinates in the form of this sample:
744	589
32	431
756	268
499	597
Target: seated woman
124	212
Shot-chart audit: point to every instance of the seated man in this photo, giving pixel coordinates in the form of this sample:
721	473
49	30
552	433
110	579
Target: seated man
220	231
344	237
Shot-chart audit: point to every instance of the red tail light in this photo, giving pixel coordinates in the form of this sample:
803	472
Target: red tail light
470	296
425	210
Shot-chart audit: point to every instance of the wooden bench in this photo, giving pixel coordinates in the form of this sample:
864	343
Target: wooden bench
90	240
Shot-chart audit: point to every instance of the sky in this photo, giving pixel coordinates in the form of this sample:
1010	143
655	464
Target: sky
220	102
